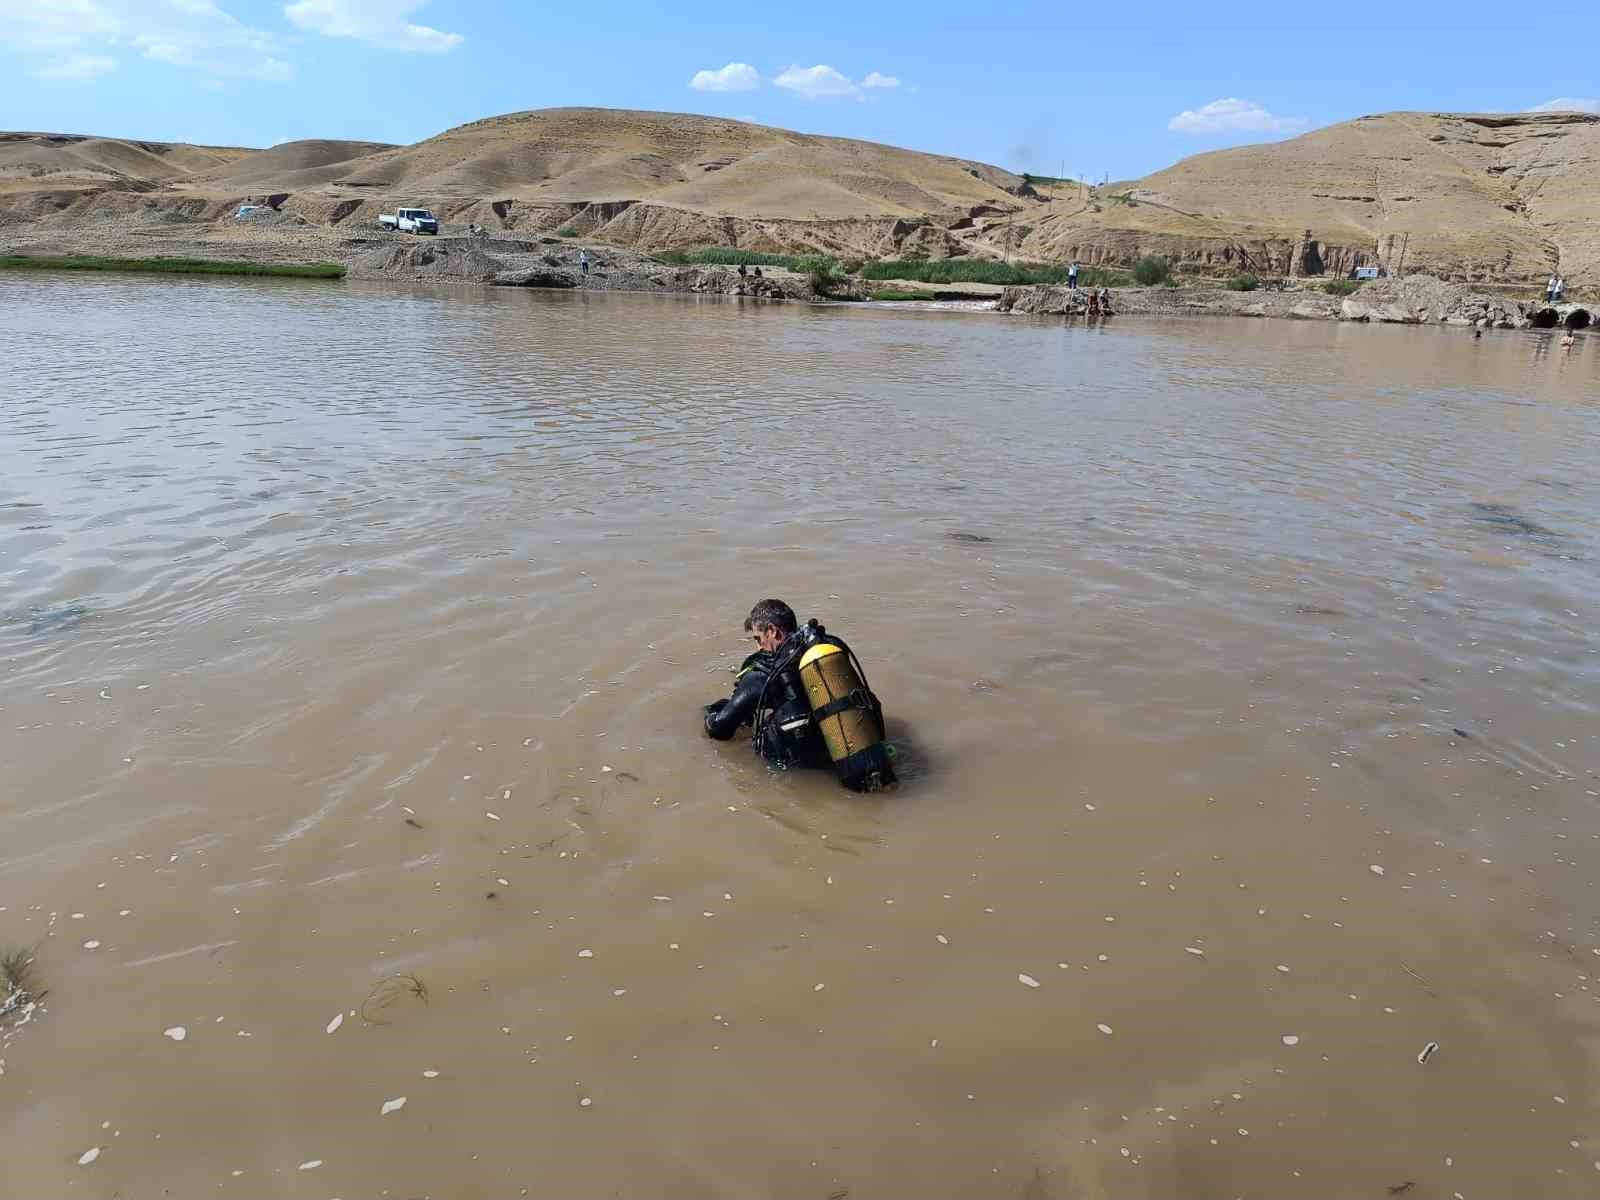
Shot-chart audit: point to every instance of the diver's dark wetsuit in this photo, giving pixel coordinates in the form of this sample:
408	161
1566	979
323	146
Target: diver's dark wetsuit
789	738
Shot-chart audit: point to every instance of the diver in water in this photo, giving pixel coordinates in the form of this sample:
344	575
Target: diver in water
804	695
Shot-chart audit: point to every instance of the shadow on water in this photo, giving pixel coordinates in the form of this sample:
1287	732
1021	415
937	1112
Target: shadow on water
1508	520
914	759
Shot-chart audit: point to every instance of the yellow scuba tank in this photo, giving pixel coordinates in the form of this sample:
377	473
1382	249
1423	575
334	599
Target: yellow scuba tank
845	712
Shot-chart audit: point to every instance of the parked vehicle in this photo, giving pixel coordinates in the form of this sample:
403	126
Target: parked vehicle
250	210
410	220
1368	273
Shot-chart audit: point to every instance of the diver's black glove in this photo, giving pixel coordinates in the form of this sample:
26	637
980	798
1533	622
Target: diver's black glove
714	707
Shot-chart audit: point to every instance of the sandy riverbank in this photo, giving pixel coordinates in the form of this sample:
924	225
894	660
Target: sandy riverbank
371	253
551	262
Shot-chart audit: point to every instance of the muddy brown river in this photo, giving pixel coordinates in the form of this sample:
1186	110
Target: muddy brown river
1242	675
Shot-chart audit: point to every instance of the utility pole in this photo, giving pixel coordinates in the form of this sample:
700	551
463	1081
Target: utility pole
1405	241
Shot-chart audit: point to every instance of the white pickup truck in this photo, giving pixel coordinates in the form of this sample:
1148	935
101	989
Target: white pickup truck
410	220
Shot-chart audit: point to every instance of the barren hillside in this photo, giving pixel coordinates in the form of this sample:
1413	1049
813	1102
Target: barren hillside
1473	197
38	161
1470	197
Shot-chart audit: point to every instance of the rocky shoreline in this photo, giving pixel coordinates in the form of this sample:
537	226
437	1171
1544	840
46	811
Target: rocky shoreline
1414	300
553	263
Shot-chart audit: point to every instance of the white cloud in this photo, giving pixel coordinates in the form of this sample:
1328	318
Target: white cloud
194	34
735	77
46	25
1233	116
875	80
378	22
817	83
1567	104
78	68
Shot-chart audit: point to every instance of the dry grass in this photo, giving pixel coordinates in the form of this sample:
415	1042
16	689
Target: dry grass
20	982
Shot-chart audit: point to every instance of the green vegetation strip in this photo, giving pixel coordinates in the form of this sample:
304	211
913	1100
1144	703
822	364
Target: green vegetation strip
170	266
897	294
727	256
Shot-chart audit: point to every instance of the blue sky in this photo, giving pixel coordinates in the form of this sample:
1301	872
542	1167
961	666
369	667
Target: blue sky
1110	89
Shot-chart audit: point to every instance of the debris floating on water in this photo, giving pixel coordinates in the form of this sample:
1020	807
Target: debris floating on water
585	953
390	1106
1196	951
310	1165
334	1024
177	1033
1376	869
1428	1052
88	1156
393	998
430	1073
1105	1029
1029	980
1290	1039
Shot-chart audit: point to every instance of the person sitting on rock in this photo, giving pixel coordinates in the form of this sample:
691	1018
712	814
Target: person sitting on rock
742	271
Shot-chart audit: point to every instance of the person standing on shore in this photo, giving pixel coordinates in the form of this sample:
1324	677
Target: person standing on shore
583	261
1072	276
1561	290
1550	290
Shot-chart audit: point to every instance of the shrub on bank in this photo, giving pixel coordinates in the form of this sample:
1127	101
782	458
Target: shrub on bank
1243	283
1342	287
1151	271
567	231
821	271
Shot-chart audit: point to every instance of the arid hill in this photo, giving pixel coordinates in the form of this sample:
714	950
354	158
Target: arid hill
43	161
1504	198
1467	197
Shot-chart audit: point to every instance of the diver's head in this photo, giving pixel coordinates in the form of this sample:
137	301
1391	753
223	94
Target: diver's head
769	623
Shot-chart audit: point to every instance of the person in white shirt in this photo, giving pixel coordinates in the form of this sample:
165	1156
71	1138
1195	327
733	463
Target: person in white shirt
1550	290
